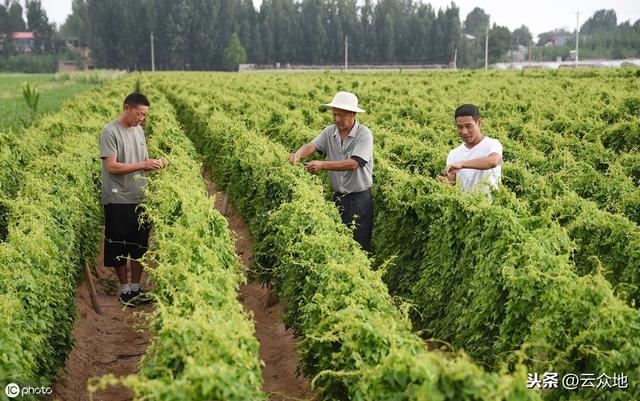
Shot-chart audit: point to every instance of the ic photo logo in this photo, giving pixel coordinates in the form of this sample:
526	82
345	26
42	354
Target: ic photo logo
12	390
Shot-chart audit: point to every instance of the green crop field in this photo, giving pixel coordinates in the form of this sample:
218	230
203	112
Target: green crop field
54	90
544	276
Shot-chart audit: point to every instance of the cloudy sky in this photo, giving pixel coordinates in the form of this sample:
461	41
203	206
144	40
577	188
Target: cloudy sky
539	16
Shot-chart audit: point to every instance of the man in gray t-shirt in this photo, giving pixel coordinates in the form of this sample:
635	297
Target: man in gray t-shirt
129	146
123	150
349	149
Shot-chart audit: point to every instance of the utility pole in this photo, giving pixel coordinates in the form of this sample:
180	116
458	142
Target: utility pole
455	59
530	43
346	52
486	48
577	34
153	58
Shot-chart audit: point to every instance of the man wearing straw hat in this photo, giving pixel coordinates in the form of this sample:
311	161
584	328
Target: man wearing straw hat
348	146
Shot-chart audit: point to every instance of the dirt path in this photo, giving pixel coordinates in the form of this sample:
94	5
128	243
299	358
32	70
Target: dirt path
277	345
106	343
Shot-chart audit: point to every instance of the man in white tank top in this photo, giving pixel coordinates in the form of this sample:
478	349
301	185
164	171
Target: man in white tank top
477	163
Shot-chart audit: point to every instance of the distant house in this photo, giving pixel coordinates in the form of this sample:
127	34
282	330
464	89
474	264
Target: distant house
73	66
519	54
559	40
23	42
75	45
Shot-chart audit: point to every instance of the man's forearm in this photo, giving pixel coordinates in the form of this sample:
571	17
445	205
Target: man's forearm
124	168
306	150
341	165
482	163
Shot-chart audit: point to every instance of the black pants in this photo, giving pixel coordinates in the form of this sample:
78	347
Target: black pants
357	207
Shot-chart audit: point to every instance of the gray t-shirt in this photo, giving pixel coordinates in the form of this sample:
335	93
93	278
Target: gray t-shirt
358	143
128	145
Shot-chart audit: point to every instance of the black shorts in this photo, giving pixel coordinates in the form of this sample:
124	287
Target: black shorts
126	233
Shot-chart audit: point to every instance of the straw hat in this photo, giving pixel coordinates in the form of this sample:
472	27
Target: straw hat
345	101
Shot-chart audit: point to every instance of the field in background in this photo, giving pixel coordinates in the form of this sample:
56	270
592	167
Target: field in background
54	90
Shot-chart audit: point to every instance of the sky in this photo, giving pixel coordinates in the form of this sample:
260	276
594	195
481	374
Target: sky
539	15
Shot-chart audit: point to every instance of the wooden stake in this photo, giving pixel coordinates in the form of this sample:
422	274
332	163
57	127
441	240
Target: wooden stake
272	297
225	204
92	289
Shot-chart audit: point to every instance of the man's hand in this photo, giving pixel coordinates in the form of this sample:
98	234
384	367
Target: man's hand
453	169
304	152
294	158
153	164
314	166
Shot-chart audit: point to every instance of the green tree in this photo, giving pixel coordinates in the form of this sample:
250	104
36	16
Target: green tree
472	43
248	28
10	21
600	21
15	21
476	22
421	24
521	36
38	23
385	30
77	23
178	35
4	27
499	42
314	35
365	47
4	18
234	53
387	39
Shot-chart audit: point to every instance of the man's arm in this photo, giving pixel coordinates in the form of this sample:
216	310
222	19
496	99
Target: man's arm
116	168
341	165
304	152
481	163
362	151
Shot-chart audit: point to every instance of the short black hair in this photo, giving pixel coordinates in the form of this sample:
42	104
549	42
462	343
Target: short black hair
467	110
136	99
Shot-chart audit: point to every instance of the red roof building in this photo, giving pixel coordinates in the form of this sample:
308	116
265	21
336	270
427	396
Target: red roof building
22	41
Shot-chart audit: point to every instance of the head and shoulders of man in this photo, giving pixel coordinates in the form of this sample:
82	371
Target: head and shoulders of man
469	126
344	111
135	110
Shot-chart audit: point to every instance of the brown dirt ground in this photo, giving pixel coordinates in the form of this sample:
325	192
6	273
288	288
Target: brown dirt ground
112	342
277	344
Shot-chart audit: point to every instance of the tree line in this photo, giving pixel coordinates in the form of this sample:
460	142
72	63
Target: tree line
601	36
218	34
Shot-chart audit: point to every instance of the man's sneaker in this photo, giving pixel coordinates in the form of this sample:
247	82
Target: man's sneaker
127	298
141	297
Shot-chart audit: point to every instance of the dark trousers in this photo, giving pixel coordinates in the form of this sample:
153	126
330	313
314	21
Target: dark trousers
357	207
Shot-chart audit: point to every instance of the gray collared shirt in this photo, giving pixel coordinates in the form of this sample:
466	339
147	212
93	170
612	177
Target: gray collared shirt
358	143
